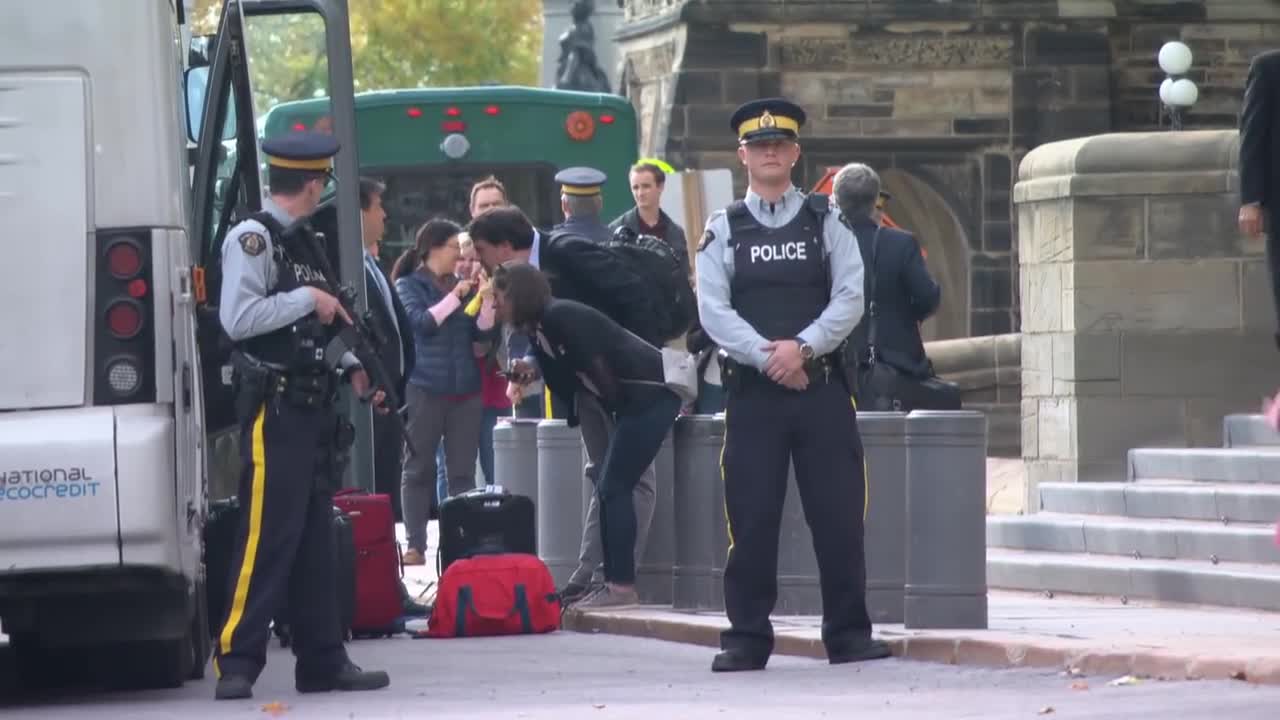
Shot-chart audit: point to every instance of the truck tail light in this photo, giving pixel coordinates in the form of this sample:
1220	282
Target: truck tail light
124	332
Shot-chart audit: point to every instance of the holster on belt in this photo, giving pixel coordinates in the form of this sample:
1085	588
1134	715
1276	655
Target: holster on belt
253	383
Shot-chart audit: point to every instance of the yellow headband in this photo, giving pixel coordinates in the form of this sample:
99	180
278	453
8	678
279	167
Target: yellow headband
316	164
580	189
777	121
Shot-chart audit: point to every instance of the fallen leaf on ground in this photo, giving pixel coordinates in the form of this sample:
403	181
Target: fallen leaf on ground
275	709
1126	680
598	706
1047	709
1080	685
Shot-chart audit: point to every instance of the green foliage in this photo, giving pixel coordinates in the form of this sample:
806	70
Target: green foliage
395	44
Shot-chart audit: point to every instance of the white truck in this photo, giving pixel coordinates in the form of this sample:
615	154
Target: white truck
117	185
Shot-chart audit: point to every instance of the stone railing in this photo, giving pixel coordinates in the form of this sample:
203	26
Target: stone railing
1146	316
988	370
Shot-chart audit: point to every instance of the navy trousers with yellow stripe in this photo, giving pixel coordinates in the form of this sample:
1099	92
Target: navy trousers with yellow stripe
768	427
284	549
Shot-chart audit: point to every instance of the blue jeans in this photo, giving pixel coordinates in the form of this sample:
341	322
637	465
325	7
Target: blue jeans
634	444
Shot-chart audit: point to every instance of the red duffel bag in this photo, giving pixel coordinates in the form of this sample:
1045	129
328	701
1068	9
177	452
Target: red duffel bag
507	594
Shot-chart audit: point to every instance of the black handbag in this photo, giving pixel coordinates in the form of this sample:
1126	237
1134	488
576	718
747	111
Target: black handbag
881	387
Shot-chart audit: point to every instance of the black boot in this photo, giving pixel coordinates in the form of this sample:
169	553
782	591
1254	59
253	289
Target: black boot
233	687
347	678
738	661
867	649
411	607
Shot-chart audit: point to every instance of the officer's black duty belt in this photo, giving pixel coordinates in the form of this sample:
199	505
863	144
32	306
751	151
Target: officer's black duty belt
261	382
822	369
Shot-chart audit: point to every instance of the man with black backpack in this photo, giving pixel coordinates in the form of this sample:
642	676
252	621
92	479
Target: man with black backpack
779	289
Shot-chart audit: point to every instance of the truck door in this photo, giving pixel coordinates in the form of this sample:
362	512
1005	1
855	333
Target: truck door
246	77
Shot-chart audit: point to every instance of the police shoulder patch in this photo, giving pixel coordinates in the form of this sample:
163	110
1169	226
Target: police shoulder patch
707	238
253	243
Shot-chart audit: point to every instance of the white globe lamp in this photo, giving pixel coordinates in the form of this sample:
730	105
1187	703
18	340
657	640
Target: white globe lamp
1174	58
1177	93
1183	93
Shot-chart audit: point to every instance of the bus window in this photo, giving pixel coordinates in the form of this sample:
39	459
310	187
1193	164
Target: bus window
414	196
288	62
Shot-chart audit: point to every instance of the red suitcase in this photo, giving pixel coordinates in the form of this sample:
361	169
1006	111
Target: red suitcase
378	571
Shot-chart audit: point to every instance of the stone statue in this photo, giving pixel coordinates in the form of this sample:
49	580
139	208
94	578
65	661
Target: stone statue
578	68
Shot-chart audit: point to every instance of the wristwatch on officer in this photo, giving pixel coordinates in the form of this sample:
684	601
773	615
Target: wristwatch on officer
806	350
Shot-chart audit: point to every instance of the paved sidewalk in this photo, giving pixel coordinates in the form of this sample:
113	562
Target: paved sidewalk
1093	636
1089	636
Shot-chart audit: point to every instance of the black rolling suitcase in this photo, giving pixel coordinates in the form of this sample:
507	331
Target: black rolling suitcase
485	521
222	521
344	576
221	526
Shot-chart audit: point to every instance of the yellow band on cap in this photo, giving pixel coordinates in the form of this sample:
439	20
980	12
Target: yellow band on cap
580	189
316	164
779	123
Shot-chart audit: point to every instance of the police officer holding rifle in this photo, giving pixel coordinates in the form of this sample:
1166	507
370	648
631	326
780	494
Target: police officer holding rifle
278	310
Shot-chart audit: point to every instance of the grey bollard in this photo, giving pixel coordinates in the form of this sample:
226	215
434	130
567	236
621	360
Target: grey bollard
559	500
515	457
946	579
884	444
799	590
653	572
701	534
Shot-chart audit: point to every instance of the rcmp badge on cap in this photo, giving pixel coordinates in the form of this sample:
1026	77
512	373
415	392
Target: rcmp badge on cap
767	121
253	244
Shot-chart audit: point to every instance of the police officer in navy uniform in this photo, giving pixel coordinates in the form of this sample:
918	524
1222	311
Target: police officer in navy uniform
779	289
276	312
581	203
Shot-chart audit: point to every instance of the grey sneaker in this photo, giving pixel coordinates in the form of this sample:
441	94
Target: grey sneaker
607	598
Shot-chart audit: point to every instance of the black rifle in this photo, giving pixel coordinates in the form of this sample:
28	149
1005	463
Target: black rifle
361	336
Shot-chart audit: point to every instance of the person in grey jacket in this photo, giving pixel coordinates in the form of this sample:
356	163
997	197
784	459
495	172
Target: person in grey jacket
647	217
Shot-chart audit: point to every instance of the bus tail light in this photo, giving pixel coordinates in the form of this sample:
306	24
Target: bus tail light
124	334
453	112
580	126
299	127
492	110
414	112
607	119
453	126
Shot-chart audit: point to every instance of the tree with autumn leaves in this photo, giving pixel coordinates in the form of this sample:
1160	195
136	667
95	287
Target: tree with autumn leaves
396	44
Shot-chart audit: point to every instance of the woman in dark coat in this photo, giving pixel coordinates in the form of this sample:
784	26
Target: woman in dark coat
576	347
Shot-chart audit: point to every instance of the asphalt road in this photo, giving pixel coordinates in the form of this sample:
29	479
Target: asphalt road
567	675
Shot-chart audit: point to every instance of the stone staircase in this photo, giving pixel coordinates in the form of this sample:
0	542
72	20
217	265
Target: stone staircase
1192	525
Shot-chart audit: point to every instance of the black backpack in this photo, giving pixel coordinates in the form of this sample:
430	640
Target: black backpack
672	306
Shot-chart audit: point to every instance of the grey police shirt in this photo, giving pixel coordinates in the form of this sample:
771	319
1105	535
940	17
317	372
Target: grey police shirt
715	272
245	308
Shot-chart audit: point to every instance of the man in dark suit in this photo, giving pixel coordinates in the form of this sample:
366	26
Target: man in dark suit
1260	159
398	353
906	295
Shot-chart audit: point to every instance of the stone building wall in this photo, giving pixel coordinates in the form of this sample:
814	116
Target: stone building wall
943	97
1146	315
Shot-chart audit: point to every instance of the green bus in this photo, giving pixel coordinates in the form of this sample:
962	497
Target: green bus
430	145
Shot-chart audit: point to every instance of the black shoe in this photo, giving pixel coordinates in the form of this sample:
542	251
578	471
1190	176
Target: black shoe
233	687
415	609
572	593
868	649
738	661
348	678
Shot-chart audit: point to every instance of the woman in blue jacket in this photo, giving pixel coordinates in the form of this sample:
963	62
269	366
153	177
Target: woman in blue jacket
444	390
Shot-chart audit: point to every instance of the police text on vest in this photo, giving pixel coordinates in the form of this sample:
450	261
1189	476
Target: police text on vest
785	251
